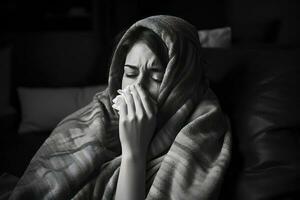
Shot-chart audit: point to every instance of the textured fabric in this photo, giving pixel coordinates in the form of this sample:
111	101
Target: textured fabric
7	184
188	154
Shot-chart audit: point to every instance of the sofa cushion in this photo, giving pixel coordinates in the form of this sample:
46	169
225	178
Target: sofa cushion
259	91
215	38
267	121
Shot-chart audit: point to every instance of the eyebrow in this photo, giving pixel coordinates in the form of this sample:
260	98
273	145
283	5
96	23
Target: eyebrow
154	69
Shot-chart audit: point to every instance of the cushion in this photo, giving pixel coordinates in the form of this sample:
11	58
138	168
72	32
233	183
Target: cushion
215	38
267	121
259	91
43	108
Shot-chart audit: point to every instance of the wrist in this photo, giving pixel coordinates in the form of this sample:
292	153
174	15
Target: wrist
133	153
134	157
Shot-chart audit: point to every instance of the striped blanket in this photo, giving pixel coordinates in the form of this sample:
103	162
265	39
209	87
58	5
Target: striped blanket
189	152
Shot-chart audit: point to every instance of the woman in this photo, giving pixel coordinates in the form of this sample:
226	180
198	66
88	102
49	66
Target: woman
163	137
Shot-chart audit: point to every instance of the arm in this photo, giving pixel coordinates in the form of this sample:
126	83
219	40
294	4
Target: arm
131	183
136	126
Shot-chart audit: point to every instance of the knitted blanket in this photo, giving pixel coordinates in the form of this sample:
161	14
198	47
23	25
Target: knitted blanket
188	154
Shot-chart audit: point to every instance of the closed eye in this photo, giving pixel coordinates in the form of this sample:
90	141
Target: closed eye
157	77
130	71
130	75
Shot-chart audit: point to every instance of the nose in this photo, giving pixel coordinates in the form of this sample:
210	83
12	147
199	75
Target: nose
141	79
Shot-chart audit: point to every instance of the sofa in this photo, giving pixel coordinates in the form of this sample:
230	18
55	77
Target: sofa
256	79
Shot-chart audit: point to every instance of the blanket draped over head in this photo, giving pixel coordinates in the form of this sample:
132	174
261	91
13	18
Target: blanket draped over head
187	156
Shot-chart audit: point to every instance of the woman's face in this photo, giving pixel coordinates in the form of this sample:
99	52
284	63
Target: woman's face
143	67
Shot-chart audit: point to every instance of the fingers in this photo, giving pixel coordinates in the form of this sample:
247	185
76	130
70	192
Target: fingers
150	107
136	101
129	101
139	108
122	107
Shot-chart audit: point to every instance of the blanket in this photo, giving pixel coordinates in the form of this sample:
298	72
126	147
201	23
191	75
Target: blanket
188	154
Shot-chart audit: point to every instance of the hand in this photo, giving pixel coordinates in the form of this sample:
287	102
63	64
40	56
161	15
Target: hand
137	121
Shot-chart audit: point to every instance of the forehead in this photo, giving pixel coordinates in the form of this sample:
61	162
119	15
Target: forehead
141	54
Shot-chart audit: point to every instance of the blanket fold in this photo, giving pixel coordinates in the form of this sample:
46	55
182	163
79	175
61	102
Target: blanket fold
189	152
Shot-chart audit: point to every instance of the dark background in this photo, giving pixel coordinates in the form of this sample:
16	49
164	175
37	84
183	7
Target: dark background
263	22
52	39
253	22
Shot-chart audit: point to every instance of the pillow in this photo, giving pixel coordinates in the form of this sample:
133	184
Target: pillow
257	88
215	38
43	108
267	122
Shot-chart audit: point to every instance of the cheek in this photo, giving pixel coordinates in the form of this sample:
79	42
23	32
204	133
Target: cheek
126	81
154	90
151	86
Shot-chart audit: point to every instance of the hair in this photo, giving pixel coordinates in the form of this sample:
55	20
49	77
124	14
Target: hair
151	39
